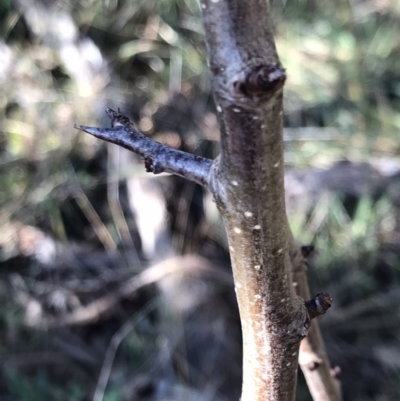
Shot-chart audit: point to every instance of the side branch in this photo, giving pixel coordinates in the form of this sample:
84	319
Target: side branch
158	158
313	359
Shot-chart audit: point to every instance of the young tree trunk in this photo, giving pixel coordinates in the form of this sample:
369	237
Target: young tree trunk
246	181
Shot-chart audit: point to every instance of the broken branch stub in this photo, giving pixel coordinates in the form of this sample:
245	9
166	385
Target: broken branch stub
318	305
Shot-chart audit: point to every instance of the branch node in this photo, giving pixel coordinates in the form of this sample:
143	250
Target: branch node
307	250
152	166
263	79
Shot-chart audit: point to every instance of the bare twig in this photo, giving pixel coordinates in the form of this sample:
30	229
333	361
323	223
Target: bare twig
105	305
158	158
112	349
313	359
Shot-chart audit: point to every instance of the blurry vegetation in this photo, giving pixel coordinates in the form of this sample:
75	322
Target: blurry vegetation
79	219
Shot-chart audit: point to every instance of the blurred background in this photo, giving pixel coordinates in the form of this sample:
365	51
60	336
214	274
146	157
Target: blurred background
115	285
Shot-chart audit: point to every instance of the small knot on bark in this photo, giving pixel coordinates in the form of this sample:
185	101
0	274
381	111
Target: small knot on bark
313	365
152	166
148	164
307	250
263	79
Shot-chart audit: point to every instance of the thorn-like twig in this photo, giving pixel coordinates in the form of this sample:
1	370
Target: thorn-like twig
158	158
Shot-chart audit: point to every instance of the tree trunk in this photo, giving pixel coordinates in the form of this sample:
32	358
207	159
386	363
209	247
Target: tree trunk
247	183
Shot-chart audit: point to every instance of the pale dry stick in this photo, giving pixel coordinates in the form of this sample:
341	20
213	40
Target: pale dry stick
91	214
105	305
113	346
313	359
113	197
95	221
